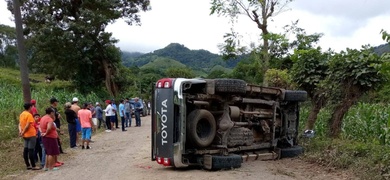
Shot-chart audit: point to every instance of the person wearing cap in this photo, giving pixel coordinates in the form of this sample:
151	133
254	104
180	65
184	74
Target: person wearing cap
85	117
57	122
34	107
28	132
99	115
75	107
110	116
71	117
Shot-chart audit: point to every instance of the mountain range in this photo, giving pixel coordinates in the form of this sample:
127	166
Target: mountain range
200	61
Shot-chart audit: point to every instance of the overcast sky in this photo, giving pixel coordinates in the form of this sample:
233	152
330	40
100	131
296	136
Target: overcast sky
345	23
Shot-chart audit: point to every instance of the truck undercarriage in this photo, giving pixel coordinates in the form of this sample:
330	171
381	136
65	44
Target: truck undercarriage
227	121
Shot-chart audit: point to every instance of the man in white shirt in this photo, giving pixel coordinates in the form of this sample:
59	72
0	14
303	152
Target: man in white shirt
110	116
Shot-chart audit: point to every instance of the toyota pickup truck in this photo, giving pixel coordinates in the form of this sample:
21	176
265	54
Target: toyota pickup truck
220	123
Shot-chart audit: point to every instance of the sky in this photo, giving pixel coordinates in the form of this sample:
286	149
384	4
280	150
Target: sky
344	23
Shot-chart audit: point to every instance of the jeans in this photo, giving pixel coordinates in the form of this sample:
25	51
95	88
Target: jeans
123	123
72	135
100	122
128	119
116	120
28	151
108	122
137	118
43	162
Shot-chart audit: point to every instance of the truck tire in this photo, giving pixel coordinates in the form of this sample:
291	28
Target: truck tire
201	128
298	96
291	152
230	86
213	162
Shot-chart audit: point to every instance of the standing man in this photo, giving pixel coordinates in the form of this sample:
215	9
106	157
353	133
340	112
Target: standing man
28	132
137	107
85	117
115	112
71	117
99	115
109	116
49	138
57	116
122	114
94	119
75	107
127	113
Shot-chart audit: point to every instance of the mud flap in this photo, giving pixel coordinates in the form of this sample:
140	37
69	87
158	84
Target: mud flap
212	162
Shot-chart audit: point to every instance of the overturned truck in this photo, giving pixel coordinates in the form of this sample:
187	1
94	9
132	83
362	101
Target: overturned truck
219	123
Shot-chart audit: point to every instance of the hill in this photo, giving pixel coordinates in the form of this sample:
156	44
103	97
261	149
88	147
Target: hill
384	48
200	60
162	63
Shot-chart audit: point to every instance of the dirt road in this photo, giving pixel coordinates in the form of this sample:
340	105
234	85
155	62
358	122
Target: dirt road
126	155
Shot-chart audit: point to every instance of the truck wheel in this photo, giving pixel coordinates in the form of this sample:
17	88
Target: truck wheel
291	152
230	86
299	96
213	162
201	128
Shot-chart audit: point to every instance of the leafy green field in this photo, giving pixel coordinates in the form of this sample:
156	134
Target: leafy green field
364	146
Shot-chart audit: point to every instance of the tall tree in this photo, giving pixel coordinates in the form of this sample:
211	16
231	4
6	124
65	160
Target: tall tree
355	72
22	52
68	38
260	12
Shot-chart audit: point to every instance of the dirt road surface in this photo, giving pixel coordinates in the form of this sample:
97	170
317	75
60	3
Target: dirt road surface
126	155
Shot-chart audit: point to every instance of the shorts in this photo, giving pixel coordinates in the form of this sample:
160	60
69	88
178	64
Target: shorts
51	146
78	125
86	134
30	142
94	120
112	119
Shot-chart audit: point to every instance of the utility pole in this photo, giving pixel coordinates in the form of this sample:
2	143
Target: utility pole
22	52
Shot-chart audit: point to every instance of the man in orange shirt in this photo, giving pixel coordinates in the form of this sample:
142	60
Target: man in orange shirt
29	134
85	117
49	138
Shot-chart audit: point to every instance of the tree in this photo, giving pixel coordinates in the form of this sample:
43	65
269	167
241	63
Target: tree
68	38
355	72
260	12
22	52
309	71
8	50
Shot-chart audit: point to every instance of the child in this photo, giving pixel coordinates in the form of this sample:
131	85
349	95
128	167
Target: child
39	150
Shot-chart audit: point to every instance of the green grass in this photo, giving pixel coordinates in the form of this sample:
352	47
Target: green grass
364	145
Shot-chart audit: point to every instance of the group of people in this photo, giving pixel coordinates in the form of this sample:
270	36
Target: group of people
40	134
126	109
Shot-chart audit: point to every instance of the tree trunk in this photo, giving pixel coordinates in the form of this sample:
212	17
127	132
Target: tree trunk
353	95
22	52
311	120
107	81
